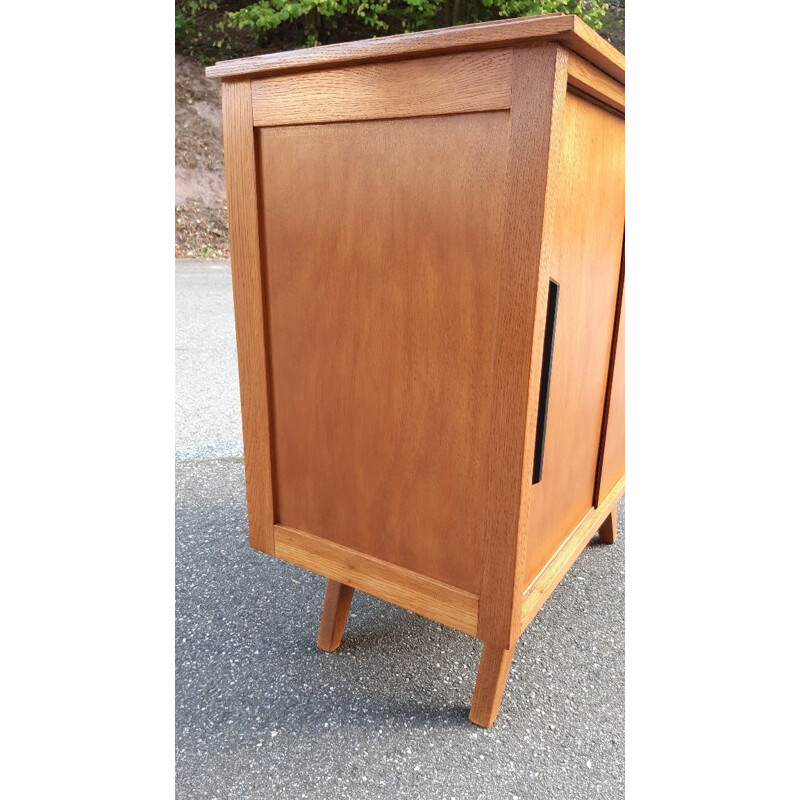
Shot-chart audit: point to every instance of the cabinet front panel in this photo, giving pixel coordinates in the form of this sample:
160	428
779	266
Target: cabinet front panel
613	463
585	262
381	244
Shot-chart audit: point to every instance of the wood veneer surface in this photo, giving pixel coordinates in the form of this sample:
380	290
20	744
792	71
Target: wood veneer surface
585	261
613	463
382	285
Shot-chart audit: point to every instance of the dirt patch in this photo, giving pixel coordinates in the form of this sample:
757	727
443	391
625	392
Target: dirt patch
201	215
201	231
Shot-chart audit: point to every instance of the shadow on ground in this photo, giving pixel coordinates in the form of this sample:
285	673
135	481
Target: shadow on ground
261	713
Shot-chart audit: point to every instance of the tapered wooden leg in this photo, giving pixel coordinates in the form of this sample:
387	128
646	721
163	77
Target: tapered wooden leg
335	609
608	530
491	683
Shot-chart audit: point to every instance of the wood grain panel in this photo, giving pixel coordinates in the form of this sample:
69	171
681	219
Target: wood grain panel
384	276
404	588
539	87
568	29
587	239
422	87
613	460
248	296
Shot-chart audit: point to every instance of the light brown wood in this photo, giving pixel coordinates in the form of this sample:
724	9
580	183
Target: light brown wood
424	87
417	593
613	448
539	77
398	211
608	528
248	297
490	684
585	262
587	78
384	275
588	44
569	30
335	609
543	584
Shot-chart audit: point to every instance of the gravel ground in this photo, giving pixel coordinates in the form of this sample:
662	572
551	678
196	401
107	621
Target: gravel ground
261	713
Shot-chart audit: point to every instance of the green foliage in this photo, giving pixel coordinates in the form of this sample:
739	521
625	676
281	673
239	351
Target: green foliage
208	29
201	29
383	16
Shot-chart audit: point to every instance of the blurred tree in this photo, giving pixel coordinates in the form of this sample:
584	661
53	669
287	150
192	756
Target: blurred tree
210	29
326	20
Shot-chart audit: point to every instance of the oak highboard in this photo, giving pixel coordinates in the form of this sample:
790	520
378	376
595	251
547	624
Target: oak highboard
427	247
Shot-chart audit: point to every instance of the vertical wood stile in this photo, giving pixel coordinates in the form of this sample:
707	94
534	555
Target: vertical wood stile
612	361
249	298
539	82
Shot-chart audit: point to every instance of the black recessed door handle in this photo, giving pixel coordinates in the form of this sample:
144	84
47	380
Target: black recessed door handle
544	382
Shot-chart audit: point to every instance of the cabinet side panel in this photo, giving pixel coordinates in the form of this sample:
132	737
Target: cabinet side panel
587	239
613	463
383	283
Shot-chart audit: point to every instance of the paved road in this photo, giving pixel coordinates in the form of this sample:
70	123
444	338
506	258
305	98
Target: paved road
261	713
208	422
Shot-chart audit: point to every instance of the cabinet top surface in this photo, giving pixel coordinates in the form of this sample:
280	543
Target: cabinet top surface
569	30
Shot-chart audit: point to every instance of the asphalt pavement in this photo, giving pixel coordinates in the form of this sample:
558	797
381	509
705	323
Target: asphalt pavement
261	713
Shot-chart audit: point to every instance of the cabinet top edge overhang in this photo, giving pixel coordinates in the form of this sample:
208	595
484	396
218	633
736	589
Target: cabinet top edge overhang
566	29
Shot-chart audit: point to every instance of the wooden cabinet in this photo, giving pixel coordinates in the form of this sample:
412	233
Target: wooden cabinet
427	251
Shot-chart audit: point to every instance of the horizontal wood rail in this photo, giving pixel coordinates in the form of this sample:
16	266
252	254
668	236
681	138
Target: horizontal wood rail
426	87
587	79
411	590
